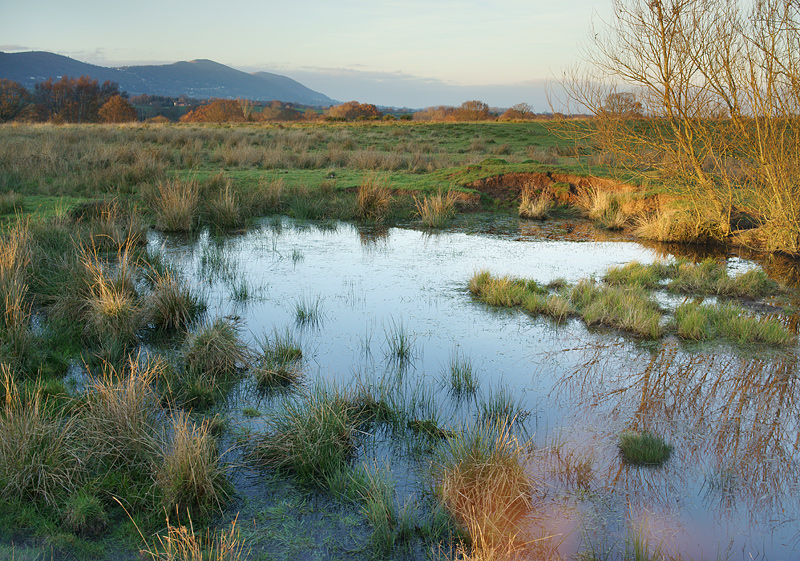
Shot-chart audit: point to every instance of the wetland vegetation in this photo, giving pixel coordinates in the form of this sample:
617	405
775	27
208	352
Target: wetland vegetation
376	341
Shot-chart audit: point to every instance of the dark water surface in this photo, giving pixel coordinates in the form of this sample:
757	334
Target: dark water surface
730	489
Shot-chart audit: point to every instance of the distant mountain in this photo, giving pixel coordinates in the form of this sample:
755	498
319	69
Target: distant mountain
198	78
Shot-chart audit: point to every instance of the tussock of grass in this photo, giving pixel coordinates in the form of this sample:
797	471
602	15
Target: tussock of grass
483	484
172	304
175	204
373	199
726	321
635	273
311	435
85	514
182	543
39	461
121	420
678	226
190	477
536	208
643	448
710	277
461	374
437	210
603	207
278	364
11	202
215	350
399	342
630	309
223	208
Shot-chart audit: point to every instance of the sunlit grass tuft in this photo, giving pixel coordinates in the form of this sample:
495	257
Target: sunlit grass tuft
436	211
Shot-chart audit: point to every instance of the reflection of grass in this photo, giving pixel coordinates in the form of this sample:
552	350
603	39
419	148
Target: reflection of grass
500	406
643	448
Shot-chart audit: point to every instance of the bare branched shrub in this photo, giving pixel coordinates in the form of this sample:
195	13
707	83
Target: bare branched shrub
711	89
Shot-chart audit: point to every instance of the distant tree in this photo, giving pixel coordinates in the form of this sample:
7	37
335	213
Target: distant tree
472	110
352	111
14	98
72	100
246	106
623	104
217	111
439	113
117	110
520	111
280	112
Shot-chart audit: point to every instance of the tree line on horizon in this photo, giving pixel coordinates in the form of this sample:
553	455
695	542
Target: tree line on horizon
84	100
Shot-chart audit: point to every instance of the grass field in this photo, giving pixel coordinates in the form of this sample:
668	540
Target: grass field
85	472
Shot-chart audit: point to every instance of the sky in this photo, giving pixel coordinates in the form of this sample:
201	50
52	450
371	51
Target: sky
413	53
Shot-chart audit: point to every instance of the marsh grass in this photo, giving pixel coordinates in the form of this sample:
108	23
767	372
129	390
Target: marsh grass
215	350
436	211
483	484
11	202
635	273
499	406
182	543
85	514
191	477
223	208
39	461
308	311
172	304
603	207
710	277
175	203
678	225
213	358
536	208
727	321
373	199
310	435
460	373
630	308
643	448
399	342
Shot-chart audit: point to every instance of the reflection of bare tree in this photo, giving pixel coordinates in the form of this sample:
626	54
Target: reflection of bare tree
740	415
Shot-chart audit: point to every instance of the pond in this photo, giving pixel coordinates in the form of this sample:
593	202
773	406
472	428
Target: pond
348	293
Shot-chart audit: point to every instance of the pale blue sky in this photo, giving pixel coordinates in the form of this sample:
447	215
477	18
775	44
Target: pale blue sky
448	43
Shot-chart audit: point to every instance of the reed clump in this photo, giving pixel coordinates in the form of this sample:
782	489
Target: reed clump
373	199
190	477
483	484
175	203
436	211
311	436
535	207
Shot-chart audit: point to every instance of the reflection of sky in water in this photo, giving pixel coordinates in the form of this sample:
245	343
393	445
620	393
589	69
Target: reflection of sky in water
373	281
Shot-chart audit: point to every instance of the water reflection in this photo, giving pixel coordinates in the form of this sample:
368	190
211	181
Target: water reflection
737	415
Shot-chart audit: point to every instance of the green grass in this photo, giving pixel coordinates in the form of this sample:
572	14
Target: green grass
310	435
643	448
461	375
399	342
726	321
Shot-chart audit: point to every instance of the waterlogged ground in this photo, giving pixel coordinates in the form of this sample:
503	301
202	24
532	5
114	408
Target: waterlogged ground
729	490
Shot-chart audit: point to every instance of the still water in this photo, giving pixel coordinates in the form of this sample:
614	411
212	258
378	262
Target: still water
730	489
